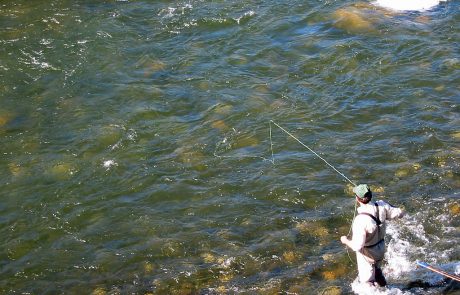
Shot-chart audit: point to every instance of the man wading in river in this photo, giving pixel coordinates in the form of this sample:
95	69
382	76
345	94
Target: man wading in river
368	233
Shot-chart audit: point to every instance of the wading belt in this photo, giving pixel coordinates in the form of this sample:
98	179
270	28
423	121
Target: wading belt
377	220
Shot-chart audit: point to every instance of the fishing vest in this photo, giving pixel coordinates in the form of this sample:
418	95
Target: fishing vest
374	247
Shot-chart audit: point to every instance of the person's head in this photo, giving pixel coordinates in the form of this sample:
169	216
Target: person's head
363	193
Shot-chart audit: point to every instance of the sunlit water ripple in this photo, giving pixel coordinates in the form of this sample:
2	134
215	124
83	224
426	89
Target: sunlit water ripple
136	151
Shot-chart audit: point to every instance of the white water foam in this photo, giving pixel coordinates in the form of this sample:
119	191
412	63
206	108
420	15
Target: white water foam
109	164
408	5
245	15
366	289
408	244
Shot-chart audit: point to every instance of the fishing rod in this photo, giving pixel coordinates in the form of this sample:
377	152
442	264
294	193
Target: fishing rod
315	153
439	271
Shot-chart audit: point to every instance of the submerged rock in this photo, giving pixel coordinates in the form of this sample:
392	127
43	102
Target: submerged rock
289	257
237	59
403	172
221	290
110	135
150	65
204	85
442	163
172	249
300	287
5	119
99	291
262	89
319	231
185	288
303	227
62	171
378	189
148	267
219	124
440	88
416	166
351	20
225	277
208	257
195	159
15	169
223	109
246	141
278	103
334	272
332	290
454	209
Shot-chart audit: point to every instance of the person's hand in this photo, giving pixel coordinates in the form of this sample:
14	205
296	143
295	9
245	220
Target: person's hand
343	239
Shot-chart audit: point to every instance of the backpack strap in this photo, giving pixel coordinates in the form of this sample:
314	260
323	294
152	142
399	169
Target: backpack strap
375	218
378	215
377	221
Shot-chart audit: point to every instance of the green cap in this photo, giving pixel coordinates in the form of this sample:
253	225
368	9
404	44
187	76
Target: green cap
361	190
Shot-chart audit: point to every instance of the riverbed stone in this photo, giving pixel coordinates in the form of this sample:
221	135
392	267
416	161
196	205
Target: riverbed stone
150	65
223	109
402	172
99	291
440	88
416	166
62	171
208	257
219	124
246	141
351	21
221	290
332	290
4	119
289	257
303	227
454	209
237	59
148	267
377	189
334	272
15	169
424	19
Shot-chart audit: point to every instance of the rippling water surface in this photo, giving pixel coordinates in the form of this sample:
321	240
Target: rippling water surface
135	148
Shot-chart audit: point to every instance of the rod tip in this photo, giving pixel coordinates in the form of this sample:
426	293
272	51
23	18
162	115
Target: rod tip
423	264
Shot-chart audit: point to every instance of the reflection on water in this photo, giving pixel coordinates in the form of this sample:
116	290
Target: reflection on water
136	153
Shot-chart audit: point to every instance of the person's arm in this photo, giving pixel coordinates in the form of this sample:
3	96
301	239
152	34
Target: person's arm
359	235
394	212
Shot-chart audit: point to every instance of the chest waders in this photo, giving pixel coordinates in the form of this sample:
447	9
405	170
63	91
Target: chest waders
374	247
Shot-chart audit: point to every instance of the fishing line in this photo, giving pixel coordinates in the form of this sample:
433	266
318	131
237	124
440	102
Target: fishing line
316	154
271	143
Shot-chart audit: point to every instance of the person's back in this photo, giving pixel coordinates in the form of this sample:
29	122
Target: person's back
384	210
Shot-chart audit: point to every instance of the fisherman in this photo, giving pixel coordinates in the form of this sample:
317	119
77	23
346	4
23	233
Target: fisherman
368	235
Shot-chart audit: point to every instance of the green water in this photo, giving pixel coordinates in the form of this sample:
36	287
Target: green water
135	149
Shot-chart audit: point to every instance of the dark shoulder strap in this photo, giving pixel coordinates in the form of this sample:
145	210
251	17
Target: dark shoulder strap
376	219
378	215
371	216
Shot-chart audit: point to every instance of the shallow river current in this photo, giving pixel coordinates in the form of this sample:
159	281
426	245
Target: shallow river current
136	157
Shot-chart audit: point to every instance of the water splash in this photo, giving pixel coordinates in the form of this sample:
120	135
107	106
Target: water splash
408	5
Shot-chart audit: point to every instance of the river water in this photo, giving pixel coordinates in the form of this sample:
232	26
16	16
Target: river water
136	154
